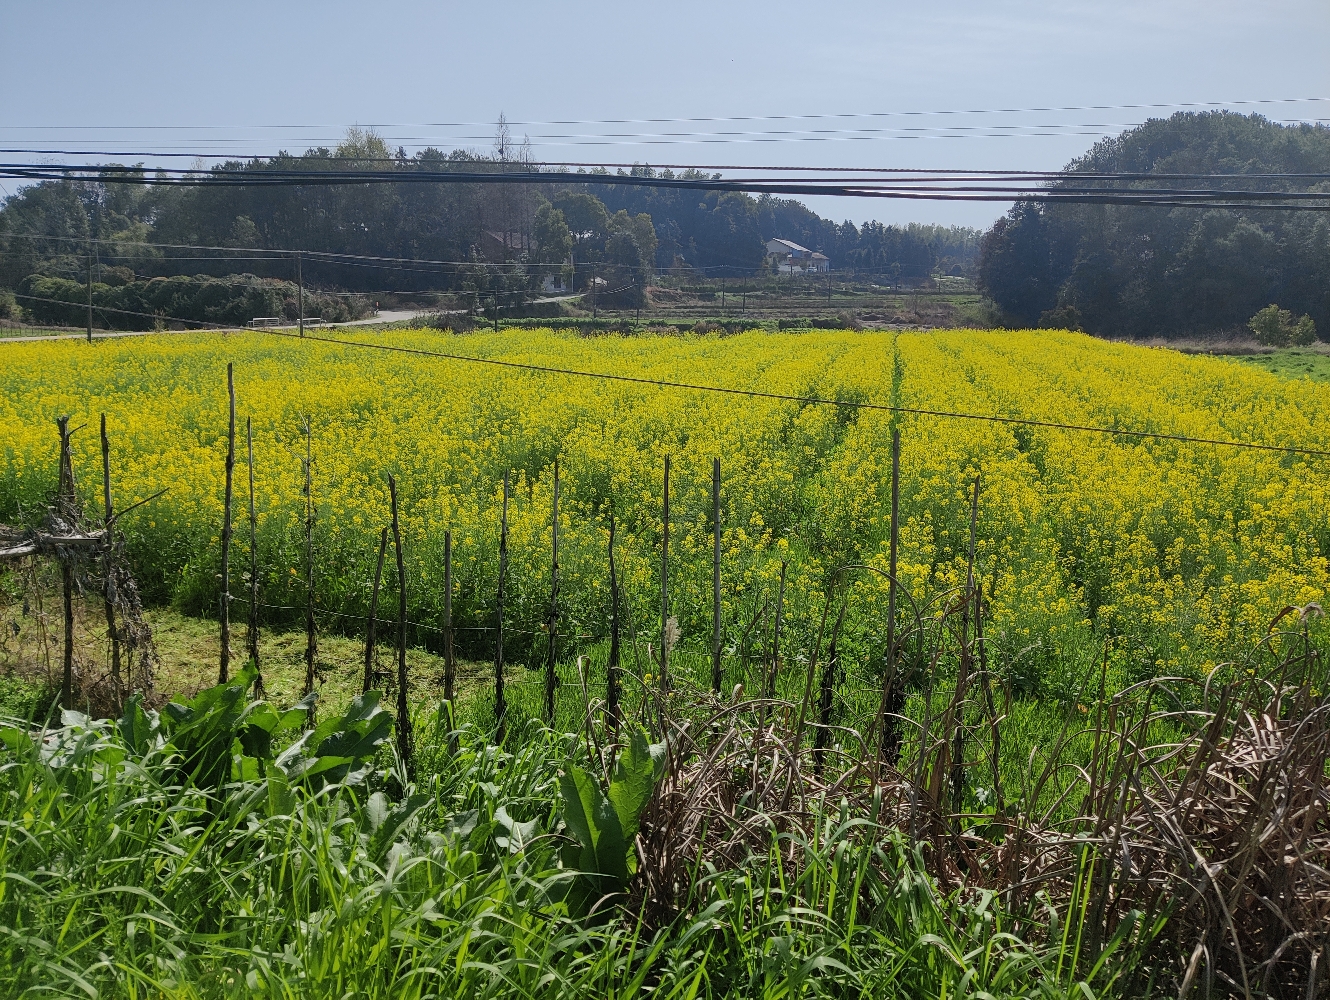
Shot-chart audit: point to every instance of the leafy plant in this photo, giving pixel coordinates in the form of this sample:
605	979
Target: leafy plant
1276	327
604	824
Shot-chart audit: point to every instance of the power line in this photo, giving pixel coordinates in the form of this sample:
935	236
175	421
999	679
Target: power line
910	189
700	119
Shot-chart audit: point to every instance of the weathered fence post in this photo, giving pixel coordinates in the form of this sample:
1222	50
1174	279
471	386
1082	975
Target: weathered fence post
499	706
715	576
449	664
224	601
108	590
405	746
311	637
884	726
826	697
66	502
612	667
551	676
252	632
665	580
371	626
963	671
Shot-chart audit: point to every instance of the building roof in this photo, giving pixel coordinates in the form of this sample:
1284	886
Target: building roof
789	244
820	256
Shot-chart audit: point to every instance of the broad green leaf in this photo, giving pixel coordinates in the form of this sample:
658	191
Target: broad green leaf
633	784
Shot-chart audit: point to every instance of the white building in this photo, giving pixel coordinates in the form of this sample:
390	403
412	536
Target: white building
790	258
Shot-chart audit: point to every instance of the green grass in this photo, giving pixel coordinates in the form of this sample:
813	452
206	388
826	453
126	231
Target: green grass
1293	363
141	887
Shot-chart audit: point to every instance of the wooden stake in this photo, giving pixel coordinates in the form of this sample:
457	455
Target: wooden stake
449	664
405	747
371	626
665	579
311	637
252	633
827	693
884	726
67	685
551	675
715	576
963	672
775	633
499	706
224	600
66	503
108	592
612	668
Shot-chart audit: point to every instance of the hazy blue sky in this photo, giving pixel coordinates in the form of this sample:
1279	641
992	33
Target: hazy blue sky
249	77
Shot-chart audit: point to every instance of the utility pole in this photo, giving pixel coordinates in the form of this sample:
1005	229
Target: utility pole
594	279
89	293
300	285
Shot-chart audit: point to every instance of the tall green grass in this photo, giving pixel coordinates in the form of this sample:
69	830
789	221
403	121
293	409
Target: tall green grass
121	880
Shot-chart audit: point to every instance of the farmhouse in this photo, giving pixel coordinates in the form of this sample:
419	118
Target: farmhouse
504	247
789	257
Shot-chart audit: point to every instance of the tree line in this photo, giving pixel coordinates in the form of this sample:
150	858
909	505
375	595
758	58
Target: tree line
1144	272
490	238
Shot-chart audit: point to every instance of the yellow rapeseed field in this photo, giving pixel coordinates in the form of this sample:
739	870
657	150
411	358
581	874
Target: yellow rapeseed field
1182	553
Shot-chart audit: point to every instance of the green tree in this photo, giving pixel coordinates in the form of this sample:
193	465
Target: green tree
553	238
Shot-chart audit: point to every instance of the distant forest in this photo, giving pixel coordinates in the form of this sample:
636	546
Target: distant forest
624	235
1169	272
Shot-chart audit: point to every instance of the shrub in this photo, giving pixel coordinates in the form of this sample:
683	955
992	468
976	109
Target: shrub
1275	327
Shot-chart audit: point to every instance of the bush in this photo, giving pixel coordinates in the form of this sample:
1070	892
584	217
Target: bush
1061	318
1275	327
8	305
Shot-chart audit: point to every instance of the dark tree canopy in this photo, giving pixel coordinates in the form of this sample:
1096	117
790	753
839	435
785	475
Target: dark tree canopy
1169	272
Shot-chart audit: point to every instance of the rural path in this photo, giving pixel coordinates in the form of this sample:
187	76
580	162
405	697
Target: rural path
386	316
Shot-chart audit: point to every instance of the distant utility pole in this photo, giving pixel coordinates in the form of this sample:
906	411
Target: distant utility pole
89	293
300	286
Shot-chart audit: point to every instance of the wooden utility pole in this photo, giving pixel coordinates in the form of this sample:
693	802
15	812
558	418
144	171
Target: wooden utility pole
405	747
109	587
300	289
224	606
499	706
371	625
551	663
715	575
665	578
252	636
